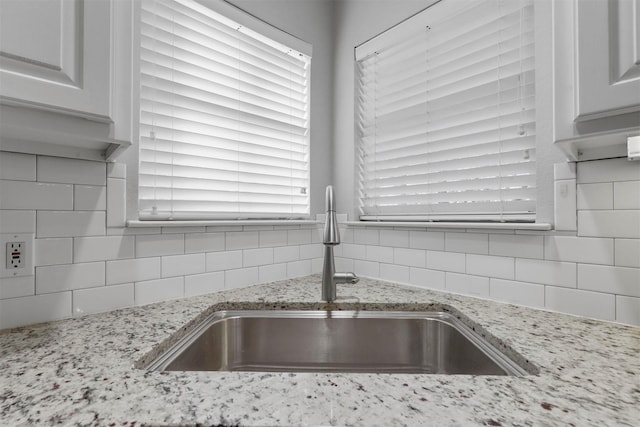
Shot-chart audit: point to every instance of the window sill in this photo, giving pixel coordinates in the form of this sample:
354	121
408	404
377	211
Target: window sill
460	225
222	223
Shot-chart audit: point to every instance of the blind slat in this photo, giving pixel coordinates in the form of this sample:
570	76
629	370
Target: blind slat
224	118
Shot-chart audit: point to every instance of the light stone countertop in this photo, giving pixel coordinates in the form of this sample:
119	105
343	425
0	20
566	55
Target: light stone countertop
83	371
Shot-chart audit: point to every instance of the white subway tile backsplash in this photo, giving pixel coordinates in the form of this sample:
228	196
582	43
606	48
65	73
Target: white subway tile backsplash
151	291
256	257
395	238
342	264
517	267
257	227
106	298
29	195
467	243
71	171
133	231
34	309
201	284
354	251
101	248
286	254
565	205
613	280
346	235
366	236
17	166
299	268
410	257
89	198
223	228
394	273
132	270
578	249
446	261
218	261
14	287
554	273
581	303
272	272
298	237
628	310
204	242
380	254
70	224
159	245
271	238
311	251
626	195
608	171
528	294
182	265
241	240
490	266
627	252
432	240
425	278
53	251
116	202
58	278
620	223
316	235
241	277
16	221
366	268
183	230
595	196
518	245
317	264
467	285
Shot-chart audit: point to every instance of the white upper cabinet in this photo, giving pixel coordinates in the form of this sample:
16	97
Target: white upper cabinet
55	54
59	63
596	76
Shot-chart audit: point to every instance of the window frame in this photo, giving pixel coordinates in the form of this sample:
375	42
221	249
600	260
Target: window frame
131	156
547	154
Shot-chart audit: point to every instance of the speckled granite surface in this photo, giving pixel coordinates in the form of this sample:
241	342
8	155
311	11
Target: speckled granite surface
81	371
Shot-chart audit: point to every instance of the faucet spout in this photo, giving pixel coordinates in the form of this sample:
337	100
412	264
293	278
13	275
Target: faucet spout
331	238
331	232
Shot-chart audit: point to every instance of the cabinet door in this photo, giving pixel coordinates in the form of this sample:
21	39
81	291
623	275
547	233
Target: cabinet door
55	55
608	61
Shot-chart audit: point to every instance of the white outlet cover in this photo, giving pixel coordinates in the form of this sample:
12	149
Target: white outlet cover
27	251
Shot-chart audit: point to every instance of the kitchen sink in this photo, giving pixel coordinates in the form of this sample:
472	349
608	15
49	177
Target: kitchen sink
335	341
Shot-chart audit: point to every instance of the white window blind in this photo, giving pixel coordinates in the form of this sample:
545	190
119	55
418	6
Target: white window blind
224	118
445	115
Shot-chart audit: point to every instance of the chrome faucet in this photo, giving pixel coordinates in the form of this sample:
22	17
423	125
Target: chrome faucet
331	238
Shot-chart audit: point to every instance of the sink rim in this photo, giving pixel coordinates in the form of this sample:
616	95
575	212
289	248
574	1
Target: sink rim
510	366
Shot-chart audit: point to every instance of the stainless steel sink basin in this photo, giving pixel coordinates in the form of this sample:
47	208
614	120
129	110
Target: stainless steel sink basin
335	341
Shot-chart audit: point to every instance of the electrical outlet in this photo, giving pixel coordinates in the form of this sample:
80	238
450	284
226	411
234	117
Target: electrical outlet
15	255
17	252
